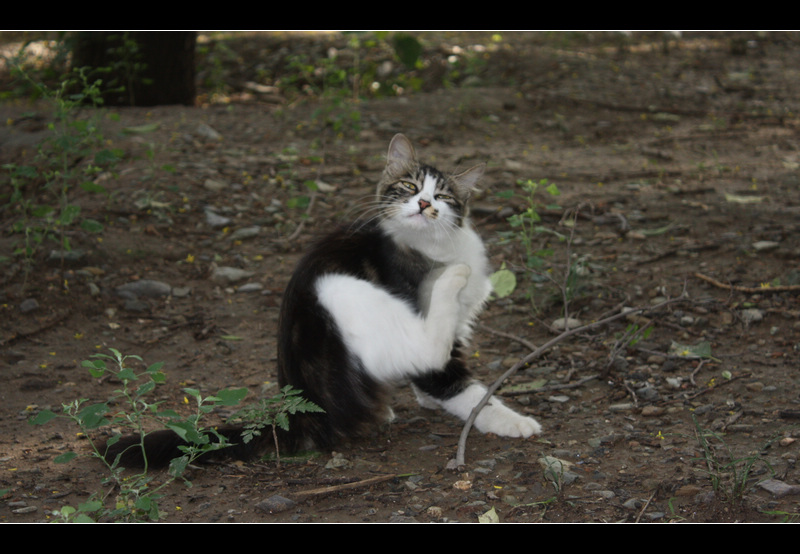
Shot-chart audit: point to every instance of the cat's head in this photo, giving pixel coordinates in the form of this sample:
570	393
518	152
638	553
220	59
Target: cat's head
415	196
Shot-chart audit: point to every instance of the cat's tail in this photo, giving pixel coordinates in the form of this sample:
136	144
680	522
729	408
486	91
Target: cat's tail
159	448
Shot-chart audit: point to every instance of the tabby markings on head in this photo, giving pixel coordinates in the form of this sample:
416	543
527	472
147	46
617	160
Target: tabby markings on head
427	185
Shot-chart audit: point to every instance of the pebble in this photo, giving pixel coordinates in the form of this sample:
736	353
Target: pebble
275	504
143	288
207	132
561	324
215	186
216	220
752	315
250	287
621	407
764	245
245	233
560	399
181	292
225	275
69	256
779	488
652	411
28	305
338	461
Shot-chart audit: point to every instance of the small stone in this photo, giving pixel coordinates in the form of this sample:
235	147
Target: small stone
562	324
621	407
216	220
245	233
752	315
652	411
181	292
28	305
275	504
435	512
215	186
226	275
338	461
144	288
560	399
207	132
250	287
764	245
779	488
68	256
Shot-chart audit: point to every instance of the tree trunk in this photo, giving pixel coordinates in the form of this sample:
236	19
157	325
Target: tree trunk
139	68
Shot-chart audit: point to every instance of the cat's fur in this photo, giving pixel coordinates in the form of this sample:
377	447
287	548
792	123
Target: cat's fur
387	300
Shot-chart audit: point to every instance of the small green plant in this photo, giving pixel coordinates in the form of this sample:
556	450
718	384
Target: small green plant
730	474
527	224
72	157
273	413
131	410
554	470
786	517
527	229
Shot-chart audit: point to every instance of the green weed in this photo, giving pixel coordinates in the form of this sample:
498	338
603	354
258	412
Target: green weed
273	413
131	410
527	229
730	474
72	157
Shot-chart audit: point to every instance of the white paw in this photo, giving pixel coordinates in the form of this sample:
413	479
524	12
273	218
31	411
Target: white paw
505	422
455	277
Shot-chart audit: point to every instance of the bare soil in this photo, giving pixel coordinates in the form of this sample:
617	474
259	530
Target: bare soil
680	158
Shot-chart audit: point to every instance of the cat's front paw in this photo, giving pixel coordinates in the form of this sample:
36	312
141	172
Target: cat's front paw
455	277
505	422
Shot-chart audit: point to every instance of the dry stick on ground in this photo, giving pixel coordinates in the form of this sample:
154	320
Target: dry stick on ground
770	288
462	443
346	486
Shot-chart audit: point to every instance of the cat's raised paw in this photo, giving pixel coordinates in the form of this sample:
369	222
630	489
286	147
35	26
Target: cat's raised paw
455	277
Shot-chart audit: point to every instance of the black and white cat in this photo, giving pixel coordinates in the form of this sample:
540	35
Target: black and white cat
387	300
392	300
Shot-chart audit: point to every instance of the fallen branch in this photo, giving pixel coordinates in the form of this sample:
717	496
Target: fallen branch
462	443
751	290
551	388
346	486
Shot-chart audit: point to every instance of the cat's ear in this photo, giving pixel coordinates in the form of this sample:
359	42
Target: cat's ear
400	150
468	180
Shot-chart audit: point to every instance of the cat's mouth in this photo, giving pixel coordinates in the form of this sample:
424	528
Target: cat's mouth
420	218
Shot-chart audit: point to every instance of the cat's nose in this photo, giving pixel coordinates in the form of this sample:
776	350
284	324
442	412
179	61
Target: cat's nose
423	204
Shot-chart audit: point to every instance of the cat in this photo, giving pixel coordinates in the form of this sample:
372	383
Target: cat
388	299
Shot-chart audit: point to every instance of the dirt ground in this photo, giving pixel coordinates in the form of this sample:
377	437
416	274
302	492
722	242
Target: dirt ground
681	160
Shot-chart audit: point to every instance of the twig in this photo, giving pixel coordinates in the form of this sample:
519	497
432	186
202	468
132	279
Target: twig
752	290
462	443
346	486
550	388
646	504
520	340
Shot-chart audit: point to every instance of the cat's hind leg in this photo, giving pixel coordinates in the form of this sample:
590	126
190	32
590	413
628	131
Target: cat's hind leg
389	337
455	392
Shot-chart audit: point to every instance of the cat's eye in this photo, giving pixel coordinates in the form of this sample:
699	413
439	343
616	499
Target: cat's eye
444	197
410	187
